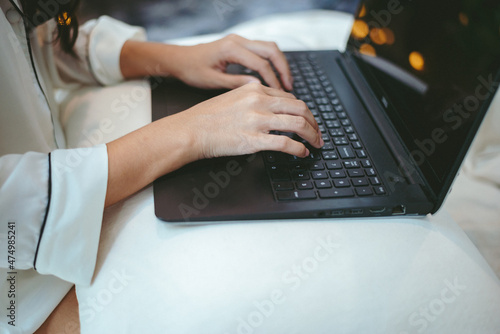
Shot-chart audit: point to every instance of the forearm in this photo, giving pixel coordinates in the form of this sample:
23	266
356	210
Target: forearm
142	156
139	59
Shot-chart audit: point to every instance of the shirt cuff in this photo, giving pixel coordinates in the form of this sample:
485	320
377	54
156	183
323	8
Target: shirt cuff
70	237
105	45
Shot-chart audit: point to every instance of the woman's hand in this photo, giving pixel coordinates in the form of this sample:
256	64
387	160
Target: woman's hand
239	122
204	65
234	123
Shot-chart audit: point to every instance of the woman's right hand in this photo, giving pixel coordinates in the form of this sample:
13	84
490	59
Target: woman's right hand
239	122
235	123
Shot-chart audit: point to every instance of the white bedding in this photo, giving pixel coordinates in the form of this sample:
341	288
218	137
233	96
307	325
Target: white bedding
356	276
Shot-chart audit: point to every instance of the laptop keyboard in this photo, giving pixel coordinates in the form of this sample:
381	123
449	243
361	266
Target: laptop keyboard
342	167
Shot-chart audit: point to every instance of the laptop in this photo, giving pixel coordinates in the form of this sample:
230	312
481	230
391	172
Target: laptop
398	111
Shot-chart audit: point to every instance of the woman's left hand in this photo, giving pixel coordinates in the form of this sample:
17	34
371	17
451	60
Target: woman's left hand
204	65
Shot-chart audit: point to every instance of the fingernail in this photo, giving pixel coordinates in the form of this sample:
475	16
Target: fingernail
307	152
321	141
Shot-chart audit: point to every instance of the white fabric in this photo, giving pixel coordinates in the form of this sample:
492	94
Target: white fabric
56	206
343	276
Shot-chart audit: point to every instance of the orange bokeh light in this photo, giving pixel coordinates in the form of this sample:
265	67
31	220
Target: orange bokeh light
360	29
417	61
362	12
378	36
367	50
389	36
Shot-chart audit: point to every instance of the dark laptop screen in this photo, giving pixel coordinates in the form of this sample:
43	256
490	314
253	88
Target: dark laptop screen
432	64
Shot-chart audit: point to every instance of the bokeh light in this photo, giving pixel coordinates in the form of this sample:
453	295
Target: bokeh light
417	61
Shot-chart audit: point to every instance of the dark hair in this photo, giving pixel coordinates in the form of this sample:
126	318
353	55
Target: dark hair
63	11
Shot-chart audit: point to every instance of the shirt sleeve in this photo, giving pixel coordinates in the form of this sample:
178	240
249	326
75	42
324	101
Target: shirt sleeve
98	49
55	203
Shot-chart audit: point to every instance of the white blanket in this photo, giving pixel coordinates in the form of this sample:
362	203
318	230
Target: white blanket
304	276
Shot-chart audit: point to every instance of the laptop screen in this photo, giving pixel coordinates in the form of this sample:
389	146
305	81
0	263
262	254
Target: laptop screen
433	66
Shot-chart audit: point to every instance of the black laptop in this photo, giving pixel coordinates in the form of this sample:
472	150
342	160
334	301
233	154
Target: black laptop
398	111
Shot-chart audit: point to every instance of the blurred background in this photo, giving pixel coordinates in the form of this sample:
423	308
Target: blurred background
167	19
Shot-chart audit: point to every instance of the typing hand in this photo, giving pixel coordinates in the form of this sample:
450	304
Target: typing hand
240	122
204	65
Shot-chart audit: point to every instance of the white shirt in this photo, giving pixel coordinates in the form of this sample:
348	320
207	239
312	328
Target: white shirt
52	197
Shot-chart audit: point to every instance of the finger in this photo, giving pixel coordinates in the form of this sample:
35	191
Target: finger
298	125
231	81
283	144
243	56
277	92
269	50
280	105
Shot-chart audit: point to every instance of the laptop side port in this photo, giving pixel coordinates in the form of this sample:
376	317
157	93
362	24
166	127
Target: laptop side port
398	210
356	211
377	210
337	212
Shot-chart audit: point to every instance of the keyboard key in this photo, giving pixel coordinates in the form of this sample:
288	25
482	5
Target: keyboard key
335	193
332	124
301	91
366	163
340	183
356	144
333	165
317	93
355	173
299	175
375	181
325	108
346	152
326	138
352	136
364	191
283	186
361	153
327	147
319	175
359	182
332	95
303	185
351	164
340	141
313	156
316	166
323	184
342	115
323	101
295	195
330	155
370	172
329	116
348	129
336	132
337	174
346	122
380	190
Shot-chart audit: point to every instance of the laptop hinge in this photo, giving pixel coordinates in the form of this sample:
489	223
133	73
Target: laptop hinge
408	168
